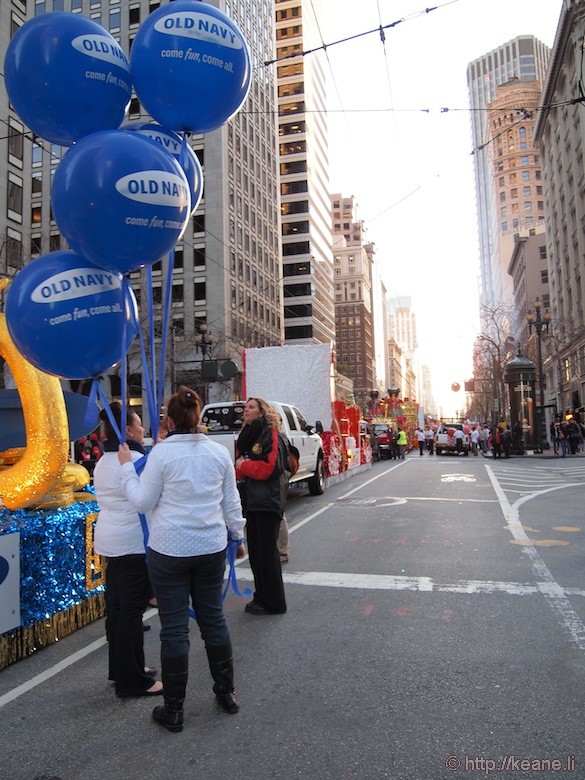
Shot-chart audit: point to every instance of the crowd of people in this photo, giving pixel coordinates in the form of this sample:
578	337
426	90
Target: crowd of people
164	525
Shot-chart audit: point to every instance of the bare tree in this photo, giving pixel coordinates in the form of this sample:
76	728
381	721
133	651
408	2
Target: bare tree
492	351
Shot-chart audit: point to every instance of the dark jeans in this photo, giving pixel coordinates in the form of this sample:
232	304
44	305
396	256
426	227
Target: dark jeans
175	581
127	592
261	534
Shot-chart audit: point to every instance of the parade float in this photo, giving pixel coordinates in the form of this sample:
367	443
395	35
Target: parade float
122	197
395	412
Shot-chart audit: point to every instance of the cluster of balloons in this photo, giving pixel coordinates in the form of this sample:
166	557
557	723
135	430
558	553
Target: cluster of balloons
122	195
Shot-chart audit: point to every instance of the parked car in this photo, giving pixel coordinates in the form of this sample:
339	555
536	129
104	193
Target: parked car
224	422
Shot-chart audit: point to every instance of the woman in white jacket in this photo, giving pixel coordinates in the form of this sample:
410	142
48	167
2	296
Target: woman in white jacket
119	537
188	487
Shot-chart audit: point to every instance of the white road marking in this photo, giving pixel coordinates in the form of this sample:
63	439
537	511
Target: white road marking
427	584
59	667
549	587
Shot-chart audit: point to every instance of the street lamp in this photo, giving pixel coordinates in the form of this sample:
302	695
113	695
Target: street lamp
539	323
202	339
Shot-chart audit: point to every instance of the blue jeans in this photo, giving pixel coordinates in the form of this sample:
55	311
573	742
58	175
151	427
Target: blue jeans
175	581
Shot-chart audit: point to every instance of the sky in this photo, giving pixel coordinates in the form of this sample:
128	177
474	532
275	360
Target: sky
408	162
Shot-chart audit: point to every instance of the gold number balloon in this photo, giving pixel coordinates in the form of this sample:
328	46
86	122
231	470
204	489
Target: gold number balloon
47	429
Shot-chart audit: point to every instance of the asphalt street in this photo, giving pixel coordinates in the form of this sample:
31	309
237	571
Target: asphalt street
436	629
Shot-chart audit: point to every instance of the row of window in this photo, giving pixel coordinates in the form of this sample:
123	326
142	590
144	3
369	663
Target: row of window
516	224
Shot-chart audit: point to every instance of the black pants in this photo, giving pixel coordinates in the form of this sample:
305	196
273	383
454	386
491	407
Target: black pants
262	533
175	581
127	592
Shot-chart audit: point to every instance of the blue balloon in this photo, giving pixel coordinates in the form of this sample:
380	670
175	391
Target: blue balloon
188	160
120	200
66	77
68	318
191	66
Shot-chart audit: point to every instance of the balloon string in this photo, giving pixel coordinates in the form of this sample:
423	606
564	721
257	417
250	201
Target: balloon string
124	365
89	416
165	327
108	411
150	302
152	407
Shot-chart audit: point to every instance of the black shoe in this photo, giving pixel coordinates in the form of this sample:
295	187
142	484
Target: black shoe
168	716
253	608
228	702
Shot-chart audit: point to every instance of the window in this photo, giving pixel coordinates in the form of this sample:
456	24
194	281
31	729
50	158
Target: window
35	246
542	252
544	277
14	249
14	197
526	192
15	143
177	293
524	159
199	291
134	15
199	223
37	155
298	332
114	19
54	242
36	213
37	183
527	205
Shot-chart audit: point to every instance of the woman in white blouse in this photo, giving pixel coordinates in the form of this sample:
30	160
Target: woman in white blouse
188	488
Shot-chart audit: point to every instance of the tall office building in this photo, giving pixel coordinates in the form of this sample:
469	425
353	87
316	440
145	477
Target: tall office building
354	317
524	58
226	280
402	323
304	175
516	172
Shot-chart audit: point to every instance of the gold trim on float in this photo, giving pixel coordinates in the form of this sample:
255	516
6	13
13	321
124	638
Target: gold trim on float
46	453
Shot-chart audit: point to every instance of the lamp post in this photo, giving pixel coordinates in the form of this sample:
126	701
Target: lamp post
202	339
539	323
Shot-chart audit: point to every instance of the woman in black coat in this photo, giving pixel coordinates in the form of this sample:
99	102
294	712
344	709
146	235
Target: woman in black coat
263	484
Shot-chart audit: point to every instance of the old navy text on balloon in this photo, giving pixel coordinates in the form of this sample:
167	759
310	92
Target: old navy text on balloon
194	25
69	285
102	48
154	187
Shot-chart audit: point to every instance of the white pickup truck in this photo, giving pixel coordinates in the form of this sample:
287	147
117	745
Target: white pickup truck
446	441
224	422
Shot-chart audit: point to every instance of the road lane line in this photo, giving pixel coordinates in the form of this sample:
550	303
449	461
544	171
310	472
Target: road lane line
549	587
59	667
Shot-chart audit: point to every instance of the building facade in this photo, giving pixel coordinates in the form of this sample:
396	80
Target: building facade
560	133
516	170
524	58
309	315
354	317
